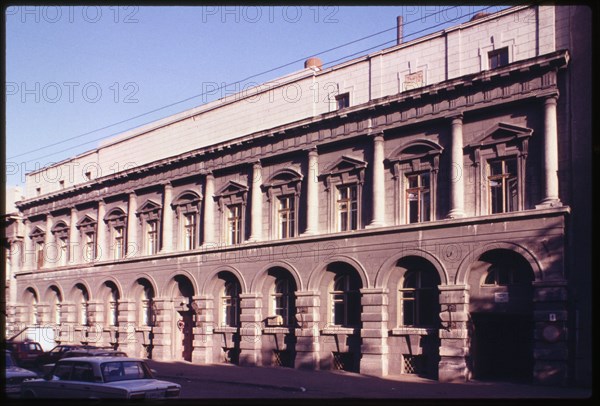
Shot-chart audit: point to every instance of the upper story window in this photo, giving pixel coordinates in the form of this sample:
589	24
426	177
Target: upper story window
119	241
189	231
344	180
152	237
498	57
234	224
283	194
418	203
117	222
342	101
287	216
415	167
503	185
61	237
89	249
187	209
37	236
345	301
500	156
150	215
87	227
232	199
347	207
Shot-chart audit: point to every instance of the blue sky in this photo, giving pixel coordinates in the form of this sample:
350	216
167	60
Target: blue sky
75	75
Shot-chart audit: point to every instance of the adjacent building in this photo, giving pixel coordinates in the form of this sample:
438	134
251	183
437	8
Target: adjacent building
417	210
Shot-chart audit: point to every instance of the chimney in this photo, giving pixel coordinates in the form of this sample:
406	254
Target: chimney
399	30
313	63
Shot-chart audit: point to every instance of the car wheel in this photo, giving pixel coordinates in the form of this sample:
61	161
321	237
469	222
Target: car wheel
29	395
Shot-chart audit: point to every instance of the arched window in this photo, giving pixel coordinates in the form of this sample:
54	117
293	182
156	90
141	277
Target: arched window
419	299
230	304
345	301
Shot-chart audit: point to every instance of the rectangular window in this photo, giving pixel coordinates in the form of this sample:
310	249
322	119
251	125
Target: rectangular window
234	224
39	254
189	237
347	207
503	185
342	101
152	238
119	242
63	253
89	253
498	57
418	197
286	216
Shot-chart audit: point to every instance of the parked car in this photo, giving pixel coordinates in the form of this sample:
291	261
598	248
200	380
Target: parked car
86	352
15	375
25	352
56	353
100	378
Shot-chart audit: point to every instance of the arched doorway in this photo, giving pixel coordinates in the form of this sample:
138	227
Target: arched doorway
31	300
55	300
501	310
184	319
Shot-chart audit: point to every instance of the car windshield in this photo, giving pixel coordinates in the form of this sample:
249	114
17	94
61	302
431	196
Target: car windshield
124	370
9	361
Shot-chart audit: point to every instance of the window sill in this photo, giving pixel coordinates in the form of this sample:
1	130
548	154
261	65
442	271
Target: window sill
143	328
423	331
340	330
225	329
277	330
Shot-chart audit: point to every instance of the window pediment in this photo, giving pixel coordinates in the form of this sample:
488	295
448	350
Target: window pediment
60	229
115	215
421	149
149	206
187	202
345	164
232	193
37	233
283	176
232	188
86	221
502	133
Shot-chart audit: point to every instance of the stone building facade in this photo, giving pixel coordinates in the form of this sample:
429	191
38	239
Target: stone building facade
409	211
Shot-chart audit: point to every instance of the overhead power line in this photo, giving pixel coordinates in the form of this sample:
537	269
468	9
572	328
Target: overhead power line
242	81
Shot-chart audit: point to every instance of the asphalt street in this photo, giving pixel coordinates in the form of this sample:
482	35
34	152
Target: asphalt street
243	383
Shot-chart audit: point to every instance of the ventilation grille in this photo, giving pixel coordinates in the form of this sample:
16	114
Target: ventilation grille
413	364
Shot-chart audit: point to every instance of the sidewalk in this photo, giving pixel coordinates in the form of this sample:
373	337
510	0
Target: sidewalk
341	384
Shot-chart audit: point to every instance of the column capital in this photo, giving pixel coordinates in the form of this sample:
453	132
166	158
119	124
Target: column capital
552	98
312	150
167	183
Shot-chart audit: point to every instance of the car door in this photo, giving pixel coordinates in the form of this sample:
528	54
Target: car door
83	383
55	387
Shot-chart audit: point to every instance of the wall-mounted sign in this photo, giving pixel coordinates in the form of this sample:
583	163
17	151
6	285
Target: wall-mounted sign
501	297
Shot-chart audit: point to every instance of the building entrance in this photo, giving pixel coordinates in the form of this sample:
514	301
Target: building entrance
502	347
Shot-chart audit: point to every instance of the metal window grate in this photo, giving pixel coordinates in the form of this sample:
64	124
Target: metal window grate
413	364
231	355
282	358
343	361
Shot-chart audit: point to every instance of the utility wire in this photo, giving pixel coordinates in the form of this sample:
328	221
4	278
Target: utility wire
239	82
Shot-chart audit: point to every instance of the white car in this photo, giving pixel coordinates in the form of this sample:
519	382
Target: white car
15	375
100	378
